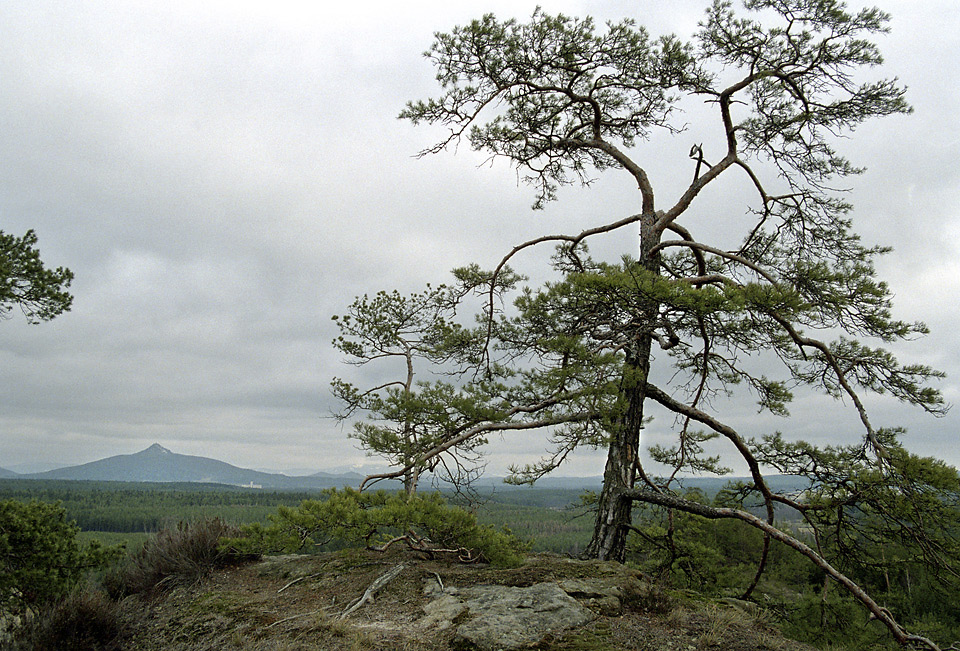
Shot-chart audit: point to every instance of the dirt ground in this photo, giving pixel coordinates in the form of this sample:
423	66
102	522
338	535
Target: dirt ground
295	603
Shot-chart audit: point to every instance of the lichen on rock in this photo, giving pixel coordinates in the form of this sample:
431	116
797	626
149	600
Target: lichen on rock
501	618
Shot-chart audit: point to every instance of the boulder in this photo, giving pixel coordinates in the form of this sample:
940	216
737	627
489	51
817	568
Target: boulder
603	597
503	618
442	611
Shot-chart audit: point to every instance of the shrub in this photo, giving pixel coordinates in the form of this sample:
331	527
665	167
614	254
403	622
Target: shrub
40	558
85	619
425	523
180	556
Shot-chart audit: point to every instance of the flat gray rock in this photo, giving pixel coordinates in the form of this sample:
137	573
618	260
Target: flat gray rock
502	618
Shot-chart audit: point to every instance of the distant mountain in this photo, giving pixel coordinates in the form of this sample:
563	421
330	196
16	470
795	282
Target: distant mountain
776	483
550	481
332	475
158	464
32	467
289	472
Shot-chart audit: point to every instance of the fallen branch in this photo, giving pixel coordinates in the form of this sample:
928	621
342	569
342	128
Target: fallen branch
381	581
414	541
287	619
423	545
296	581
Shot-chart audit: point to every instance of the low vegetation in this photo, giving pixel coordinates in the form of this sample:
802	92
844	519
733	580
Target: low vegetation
87	611
699	567
183	555
83	619
40	558
378	520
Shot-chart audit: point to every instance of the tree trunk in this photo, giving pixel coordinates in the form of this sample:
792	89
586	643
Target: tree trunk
614	512
412	476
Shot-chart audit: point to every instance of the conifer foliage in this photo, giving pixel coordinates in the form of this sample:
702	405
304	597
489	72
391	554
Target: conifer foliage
40	558
40	293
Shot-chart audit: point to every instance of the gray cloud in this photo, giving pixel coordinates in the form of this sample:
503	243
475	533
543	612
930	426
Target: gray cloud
224	178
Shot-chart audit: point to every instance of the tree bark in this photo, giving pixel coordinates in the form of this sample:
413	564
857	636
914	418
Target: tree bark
614	512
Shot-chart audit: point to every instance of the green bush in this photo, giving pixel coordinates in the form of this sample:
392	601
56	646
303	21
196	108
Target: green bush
179	556
378	519
40	558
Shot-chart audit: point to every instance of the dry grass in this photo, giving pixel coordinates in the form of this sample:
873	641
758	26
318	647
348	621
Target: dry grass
86	619
173	557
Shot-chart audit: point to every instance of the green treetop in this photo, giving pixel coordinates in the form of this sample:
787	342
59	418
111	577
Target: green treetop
40	293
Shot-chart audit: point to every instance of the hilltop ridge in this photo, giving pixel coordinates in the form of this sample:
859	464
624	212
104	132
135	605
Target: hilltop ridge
159	464
296	603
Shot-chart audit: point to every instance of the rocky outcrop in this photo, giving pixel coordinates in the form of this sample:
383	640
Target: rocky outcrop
502	618
602	597
429	605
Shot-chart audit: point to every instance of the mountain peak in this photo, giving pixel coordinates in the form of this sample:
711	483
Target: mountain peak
158	464
156	448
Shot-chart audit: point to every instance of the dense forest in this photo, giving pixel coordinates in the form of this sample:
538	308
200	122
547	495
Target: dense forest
120	507
123	507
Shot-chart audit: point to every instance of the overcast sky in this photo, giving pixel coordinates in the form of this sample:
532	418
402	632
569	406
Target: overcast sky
222	177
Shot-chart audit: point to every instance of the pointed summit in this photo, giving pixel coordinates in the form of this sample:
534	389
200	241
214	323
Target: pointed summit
158	464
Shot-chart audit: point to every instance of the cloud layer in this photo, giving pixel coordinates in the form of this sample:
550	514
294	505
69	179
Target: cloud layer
224	178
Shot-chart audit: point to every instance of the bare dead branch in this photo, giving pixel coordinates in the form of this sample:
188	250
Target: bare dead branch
373	588
298	580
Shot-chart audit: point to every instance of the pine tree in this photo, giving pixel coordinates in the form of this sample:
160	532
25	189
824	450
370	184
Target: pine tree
563	101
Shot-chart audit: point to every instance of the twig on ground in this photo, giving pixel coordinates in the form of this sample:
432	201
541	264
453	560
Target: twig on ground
381	581
295	581
287	619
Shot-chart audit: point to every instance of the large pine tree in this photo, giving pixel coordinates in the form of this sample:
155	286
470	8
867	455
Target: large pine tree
564	101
